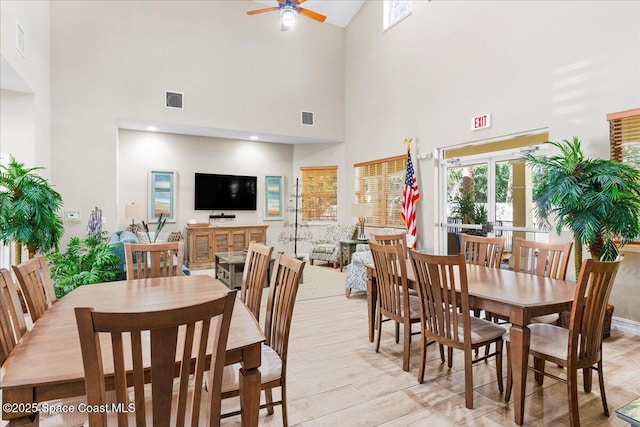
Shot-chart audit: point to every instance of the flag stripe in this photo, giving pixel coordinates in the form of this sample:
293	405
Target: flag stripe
410	195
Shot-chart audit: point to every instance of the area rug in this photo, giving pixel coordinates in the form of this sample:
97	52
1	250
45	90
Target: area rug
320	281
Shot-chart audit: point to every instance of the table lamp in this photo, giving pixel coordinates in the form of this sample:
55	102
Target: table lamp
133	211
361	211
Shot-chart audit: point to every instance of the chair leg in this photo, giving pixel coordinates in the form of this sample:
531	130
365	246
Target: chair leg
499	365
539	365
441	352
335	264
423	358
450	361
347	292
572	391
311	261
507	393
603	396
379	324
468	380
588	379
397	332
283	391
407	346
268	395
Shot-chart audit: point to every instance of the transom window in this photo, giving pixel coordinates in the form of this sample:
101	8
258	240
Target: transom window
319	193
379	183
394	11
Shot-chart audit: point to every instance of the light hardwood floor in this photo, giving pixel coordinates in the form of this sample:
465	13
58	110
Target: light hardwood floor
337	379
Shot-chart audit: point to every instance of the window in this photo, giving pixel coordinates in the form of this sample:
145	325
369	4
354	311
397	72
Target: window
394	11
319	193
624	135
379	183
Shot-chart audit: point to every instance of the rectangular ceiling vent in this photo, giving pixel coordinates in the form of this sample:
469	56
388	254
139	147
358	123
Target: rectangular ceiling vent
20	39
173	100
307	118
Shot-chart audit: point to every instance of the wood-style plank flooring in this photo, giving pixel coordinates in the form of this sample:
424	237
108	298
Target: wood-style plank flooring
335	378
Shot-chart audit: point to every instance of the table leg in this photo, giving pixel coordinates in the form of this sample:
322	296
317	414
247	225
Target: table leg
372	300
519	337
341	256
250	379
15	418
232	276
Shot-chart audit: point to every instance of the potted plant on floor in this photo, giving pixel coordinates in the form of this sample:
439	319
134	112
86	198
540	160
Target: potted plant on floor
597	199
28	210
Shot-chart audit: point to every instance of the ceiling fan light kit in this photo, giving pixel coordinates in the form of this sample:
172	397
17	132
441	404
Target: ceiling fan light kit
288	10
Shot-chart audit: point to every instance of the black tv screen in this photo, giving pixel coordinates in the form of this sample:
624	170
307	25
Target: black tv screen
225	192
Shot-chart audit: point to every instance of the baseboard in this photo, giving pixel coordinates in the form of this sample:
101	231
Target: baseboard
625	325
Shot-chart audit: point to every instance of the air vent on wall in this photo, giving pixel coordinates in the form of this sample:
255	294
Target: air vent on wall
307	118
20	39
173	100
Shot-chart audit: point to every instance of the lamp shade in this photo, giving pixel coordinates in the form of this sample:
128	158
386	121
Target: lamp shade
360	210
133	211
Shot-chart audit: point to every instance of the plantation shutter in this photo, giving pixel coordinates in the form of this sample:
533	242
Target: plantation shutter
624	136
379	183
319	193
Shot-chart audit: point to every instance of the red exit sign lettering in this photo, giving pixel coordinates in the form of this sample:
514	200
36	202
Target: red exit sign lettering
481	122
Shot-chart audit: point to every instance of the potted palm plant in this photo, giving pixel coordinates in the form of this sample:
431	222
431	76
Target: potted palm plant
28	210
597	199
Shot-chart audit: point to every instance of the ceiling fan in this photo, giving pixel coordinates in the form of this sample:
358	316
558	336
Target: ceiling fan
288	10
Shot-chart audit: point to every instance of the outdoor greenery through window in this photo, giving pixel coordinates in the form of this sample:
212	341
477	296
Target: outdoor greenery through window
379	183
319	193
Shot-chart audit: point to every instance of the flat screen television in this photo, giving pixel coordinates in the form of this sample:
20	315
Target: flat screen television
225	192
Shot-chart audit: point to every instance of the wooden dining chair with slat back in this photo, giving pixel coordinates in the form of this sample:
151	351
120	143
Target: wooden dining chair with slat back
580	346
12	322
392	239
160	259
478	250
447	318
183	332
36	285
542	259
254	275
394	300
283	288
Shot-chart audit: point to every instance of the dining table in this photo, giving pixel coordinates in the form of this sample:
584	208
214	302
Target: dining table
47	363
515	295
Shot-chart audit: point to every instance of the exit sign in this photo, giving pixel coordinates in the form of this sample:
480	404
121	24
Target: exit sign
481	122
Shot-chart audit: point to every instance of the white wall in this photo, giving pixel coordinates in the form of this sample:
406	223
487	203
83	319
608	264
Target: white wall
560	65
140	152
114	60
25	119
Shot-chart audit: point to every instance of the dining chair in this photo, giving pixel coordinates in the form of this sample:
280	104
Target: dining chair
446	316
157	337
580	346
479	250
542	259
283	288
36	285
12	322
162	259
392	239
256	266
394	300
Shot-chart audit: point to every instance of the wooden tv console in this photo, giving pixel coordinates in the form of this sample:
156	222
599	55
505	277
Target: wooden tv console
204	240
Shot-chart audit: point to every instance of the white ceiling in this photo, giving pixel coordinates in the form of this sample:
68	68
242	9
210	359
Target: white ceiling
338	12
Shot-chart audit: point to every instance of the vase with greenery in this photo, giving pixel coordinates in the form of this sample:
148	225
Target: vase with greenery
28	210
86	261
597	199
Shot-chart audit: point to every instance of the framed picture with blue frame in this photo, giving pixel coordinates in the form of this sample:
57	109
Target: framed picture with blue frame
273	197
162	195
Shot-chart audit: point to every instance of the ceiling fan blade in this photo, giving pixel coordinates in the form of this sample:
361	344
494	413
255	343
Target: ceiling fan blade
257	11
298	2
311	14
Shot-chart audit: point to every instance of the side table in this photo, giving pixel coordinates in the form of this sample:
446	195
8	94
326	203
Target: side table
347	248
630	413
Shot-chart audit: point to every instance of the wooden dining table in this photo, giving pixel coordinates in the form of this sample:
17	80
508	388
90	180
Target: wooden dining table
47	363
516	295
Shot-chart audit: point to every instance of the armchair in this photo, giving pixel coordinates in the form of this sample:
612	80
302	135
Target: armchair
328	248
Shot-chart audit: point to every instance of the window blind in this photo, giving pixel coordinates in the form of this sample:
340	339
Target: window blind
319	193
624	137
379	183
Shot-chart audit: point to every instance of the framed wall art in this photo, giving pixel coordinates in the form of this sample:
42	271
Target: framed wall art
162	195
273	197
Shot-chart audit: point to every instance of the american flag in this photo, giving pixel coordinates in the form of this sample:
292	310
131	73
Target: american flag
410	196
